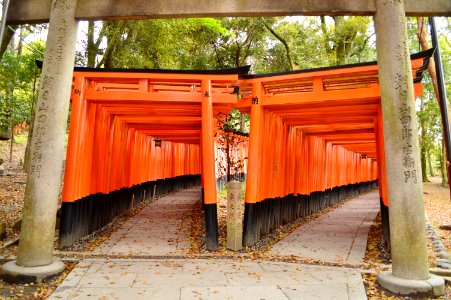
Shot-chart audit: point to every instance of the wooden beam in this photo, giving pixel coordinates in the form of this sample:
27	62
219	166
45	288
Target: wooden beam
286	99
126	97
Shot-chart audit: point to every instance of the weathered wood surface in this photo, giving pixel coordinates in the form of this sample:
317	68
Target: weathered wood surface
36	11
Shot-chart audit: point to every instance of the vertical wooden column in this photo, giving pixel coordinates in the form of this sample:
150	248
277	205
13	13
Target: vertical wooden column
35	255
410	272
73	140
250	233
70	173
208	168
382	178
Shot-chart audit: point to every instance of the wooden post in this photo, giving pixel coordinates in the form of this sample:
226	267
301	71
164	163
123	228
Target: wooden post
250	234
208	168
410	273
35	254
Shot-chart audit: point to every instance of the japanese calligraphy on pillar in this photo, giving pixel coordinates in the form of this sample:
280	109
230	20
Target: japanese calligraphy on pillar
39	130
408	161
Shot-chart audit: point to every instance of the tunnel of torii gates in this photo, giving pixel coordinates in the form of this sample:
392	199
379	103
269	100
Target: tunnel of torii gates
316	137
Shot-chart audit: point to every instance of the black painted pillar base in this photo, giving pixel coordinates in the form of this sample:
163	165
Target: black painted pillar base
203	198
211	227
385	225
250	236
263	217
88	214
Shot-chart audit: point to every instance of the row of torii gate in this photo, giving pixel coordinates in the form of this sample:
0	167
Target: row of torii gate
316	136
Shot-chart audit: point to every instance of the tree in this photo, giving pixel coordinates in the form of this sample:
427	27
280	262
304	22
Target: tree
153	44
18	79
427	116
346	40
229	140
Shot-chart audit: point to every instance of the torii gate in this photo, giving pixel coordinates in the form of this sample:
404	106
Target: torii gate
410	268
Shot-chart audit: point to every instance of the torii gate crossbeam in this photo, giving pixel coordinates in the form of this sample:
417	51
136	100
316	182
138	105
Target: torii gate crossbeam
32	11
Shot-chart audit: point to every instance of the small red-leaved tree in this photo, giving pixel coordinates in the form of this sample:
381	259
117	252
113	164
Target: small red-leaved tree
230	140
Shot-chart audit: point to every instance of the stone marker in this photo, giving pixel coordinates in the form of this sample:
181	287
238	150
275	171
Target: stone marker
235	210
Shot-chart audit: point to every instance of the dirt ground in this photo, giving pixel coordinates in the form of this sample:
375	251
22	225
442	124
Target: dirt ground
12	189
437	204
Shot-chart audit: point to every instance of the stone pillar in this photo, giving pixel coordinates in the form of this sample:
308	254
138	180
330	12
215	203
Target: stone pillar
35	255
410	273
235	211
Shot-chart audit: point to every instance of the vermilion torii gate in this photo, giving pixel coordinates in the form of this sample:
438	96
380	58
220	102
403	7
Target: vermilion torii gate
316	137
408	239
135	134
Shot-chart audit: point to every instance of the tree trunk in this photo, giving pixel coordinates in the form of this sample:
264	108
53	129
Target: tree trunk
7	37
115	32
27	156
423	157
93	44
443	166
11	126
422	38
91	51
423	149
229	175
242	122
20	43
283	41
11	145
431	169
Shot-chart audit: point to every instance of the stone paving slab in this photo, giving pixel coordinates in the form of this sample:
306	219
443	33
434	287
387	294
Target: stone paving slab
157	229
340	236
201	279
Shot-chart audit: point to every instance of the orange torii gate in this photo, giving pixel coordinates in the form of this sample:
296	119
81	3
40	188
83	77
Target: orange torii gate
135	134
316	137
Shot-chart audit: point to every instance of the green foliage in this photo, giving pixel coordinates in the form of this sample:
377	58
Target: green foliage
18	76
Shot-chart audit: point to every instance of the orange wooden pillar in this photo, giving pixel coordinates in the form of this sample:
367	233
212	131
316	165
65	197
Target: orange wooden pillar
70	174
208	168
250	232
382	178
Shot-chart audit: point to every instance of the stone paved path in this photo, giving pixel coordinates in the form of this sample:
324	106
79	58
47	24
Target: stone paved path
339	236
157	230
208	279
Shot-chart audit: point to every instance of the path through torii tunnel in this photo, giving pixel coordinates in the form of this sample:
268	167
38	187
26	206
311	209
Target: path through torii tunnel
316	137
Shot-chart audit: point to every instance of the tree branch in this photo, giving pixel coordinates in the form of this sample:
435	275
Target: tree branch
282	40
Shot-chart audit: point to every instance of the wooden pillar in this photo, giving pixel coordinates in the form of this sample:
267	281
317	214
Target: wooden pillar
208	168
382	178
35	255
410	273
71	190
250	232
